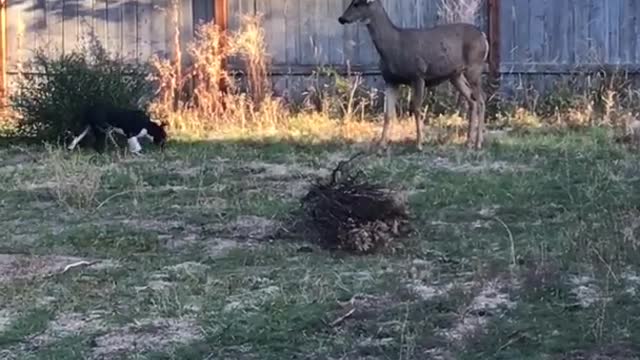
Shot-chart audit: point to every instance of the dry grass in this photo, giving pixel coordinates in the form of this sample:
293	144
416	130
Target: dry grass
454	11
74	181
251	47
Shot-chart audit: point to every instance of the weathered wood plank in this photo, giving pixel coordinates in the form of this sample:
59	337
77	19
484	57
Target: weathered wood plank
308	38
86	20
335	33
202	11
237	8
628	38
55	26
636	21
350	40
186	26
158	23
130	30
70	26
274	25
581	10
143	26
15	34
172	24
522	50
536	39
598	38
614	24
100	24
509	32
292	25
570	38
114	26
37	27
561	20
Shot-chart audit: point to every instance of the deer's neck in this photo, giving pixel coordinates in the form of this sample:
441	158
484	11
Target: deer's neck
384	34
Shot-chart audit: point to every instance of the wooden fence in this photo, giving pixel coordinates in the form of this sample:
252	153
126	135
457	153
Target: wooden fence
133	28
533	39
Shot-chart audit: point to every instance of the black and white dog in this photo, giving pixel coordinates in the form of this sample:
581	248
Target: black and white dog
134	124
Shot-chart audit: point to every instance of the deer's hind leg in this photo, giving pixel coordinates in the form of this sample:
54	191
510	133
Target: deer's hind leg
461	84
390	102
417	99
474	79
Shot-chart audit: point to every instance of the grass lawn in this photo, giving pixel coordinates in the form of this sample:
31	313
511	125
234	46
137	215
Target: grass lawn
527	250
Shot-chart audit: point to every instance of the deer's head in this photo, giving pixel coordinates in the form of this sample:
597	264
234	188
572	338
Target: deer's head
358	11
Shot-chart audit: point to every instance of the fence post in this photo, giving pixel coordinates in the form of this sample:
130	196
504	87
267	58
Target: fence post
221	19
221	14
493	17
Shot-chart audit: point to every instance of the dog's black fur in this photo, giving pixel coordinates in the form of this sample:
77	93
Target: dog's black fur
131	123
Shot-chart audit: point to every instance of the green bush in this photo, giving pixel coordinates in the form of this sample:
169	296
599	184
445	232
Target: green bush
51	97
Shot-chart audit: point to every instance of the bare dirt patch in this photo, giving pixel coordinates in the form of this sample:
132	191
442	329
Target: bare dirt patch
619	351
251	299
490	301
6	318
484	166
334	158
369	305
71	324
631	229
156	335
428	292
632	282
156	286
439	354
153	225
174	234
423	286
263	170
218	247
586	291
186	169
188	268
26	267
251	227
289	189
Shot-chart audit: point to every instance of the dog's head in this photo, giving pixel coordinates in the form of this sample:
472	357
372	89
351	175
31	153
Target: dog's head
158	133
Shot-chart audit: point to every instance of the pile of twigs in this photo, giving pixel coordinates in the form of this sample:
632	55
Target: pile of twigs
352	214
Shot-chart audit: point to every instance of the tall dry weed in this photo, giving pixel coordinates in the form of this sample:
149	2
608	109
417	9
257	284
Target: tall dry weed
212	84
251	47
216	99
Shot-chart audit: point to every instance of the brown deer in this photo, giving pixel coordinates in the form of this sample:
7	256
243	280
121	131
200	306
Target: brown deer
422	58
